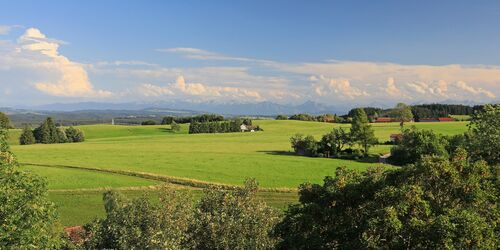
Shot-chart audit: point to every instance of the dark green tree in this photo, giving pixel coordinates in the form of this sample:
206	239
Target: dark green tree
27	217
402	113
417	143
304	145
484	132
4	121
47	132
167	120
281	117
361	130
27	136
334	142
434	204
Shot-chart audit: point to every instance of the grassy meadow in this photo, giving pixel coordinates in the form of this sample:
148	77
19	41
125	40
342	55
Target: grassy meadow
215	158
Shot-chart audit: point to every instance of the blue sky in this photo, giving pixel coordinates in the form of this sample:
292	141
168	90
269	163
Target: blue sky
282	51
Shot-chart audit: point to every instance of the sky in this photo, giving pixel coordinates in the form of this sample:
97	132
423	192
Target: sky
288	52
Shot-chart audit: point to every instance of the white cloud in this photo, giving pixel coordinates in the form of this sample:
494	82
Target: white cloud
341	88
66	78
5	29
476	91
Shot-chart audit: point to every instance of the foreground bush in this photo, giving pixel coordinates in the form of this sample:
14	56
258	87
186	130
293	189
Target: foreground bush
232	220
434	204
221	220
27	217
140	223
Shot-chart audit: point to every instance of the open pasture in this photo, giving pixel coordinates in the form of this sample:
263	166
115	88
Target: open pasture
217	158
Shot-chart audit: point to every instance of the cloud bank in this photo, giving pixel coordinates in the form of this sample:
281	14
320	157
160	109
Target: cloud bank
38	63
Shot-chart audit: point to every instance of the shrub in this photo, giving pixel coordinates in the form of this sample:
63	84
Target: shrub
148	122
232	220
141	223
174	126
434	204
281	117
74	135
417	143
27	217
307	146
27	136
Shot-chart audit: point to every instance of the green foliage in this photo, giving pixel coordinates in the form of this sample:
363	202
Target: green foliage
167	120
27	136
485	134
417	143
402	113
148	123
362	132
304	145
333	143
232	220
222	219
74	135
48	133
281	117
140	223
175	127
434	204
4	121
220	126
27	218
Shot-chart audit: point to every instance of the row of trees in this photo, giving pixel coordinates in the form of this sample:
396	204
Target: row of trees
334	143
48	133
220	126
167	120
317	118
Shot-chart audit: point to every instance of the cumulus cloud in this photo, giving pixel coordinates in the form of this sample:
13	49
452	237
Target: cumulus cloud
181	87
50	72
341	88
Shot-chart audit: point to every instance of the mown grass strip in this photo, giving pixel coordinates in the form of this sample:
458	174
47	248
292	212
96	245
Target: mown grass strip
168	179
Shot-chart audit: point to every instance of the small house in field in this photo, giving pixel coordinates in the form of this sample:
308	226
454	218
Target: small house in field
384	119
395	137
446	119
243	128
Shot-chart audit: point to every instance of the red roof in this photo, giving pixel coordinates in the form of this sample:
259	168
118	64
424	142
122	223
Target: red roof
446	119
384	119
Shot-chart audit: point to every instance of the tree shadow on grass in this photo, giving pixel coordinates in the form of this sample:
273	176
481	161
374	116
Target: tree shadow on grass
278	152
166	130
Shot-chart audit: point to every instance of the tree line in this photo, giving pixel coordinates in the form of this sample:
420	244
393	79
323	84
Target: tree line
167	120
436	202
49	133
221	126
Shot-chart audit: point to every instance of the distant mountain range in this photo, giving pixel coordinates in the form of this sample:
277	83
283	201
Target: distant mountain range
226	108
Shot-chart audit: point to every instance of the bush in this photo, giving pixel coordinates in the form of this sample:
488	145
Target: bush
417	143
434	204
27	217
48	133
307	146
148	123
281	117
232	220
174	126
27	136
141	223
74	135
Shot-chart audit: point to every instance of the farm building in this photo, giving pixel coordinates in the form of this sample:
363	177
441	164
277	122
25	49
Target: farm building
247	128
439	119
446	119
384	119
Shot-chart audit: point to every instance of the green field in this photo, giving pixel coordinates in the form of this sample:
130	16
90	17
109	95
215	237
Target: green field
217	158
